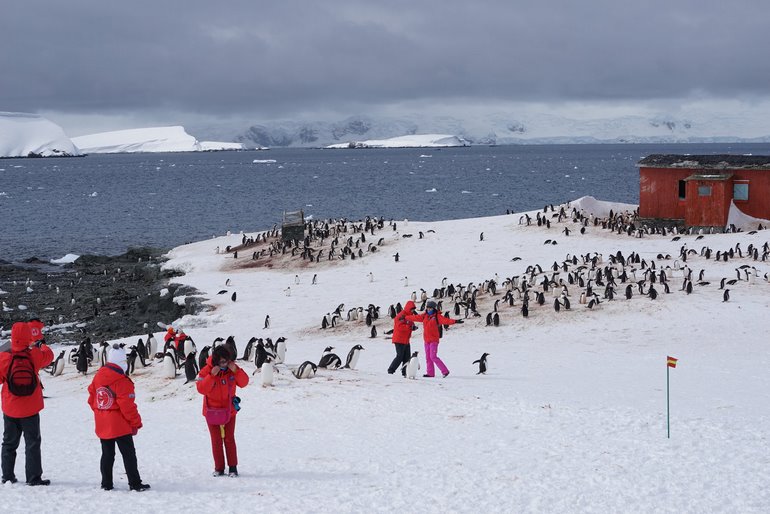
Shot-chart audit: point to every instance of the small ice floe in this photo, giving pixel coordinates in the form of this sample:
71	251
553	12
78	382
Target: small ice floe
67	259
22	307
466	192
94	194
431	190
566	176
425	156
308	205
489	169
263	161
3	193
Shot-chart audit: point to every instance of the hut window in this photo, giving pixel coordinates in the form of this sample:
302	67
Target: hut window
704	190
741	191
682	189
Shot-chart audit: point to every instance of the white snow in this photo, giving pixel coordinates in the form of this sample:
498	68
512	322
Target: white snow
742	220
152	139
22	133
70	257
411	141
571	416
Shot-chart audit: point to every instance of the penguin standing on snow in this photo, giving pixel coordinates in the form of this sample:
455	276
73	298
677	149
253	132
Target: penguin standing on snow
267	321
353	355
169	365
482	362
412	366
280	350
203	357
267	372
190	368
83	351
58	365
260	355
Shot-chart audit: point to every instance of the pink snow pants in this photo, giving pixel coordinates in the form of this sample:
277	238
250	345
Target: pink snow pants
431	358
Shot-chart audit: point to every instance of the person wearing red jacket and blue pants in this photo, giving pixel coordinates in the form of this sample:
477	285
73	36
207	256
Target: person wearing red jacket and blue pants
402	334
112	398
217	382
431	319
21	414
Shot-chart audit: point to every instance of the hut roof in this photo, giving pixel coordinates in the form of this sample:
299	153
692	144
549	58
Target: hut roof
713	162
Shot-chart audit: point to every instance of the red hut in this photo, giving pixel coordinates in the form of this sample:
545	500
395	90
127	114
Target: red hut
698	189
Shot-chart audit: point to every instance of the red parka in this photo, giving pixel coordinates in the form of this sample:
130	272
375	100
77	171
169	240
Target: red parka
430	323
402	328
115	414
219	390
24	406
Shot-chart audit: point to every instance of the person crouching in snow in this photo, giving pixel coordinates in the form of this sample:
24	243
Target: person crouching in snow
217	382
402	333
22	399
112	398
431	319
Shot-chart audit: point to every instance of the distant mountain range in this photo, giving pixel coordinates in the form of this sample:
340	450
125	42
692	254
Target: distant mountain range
501	130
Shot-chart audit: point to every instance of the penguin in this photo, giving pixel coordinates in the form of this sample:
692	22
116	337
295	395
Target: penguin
260	355
726	295
141	351
169	365
82	362
203	356
190	368
102	353
234	296
131	360
482	362
280	350
373	332
152	345
267	372
267	321
189	347
230	343
306	370
353	355
329	360
412	366
58	365
496	319
247	351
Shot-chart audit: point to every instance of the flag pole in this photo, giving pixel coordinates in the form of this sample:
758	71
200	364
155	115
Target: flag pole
668	408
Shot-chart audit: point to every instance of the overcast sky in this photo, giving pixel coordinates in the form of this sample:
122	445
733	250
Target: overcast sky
288	59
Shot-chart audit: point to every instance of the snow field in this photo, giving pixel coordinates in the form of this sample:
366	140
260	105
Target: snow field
570	418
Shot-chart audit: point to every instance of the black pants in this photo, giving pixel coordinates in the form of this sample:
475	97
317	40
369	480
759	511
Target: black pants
403	354
13	428
127	450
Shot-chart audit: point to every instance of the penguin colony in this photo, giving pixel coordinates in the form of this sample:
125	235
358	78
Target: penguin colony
589	280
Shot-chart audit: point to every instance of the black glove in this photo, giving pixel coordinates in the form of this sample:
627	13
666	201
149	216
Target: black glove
460	321
39	343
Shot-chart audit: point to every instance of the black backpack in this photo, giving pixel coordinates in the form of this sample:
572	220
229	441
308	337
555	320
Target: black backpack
22	380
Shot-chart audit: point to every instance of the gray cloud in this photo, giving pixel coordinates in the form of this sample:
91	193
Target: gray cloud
275	59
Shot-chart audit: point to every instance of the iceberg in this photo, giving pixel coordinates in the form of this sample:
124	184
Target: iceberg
31	135
152	139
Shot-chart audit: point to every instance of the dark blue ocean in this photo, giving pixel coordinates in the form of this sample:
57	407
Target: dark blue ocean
106	203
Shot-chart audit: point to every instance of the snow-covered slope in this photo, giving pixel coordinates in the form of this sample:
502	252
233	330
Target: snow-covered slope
153	139
526	126
411	141
570	417
22	134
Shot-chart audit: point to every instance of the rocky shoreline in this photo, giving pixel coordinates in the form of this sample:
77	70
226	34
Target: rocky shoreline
103	297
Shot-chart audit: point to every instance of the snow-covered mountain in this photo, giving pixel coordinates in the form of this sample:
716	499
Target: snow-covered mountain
31	135
153	139
512	128
414	141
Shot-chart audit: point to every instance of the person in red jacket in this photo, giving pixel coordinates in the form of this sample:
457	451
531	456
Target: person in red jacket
431	319
21	412
217	382
402	334
112	398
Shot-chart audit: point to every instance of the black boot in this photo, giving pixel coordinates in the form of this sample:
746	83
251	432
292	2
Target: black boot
233	471
140	487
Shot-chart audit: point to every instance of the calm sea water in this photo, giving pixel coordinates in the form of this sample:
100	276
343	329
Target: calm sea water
107	203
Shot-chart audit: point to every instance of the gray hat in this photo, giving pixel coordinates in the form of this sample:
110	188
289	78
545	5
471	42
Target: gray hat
430	305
